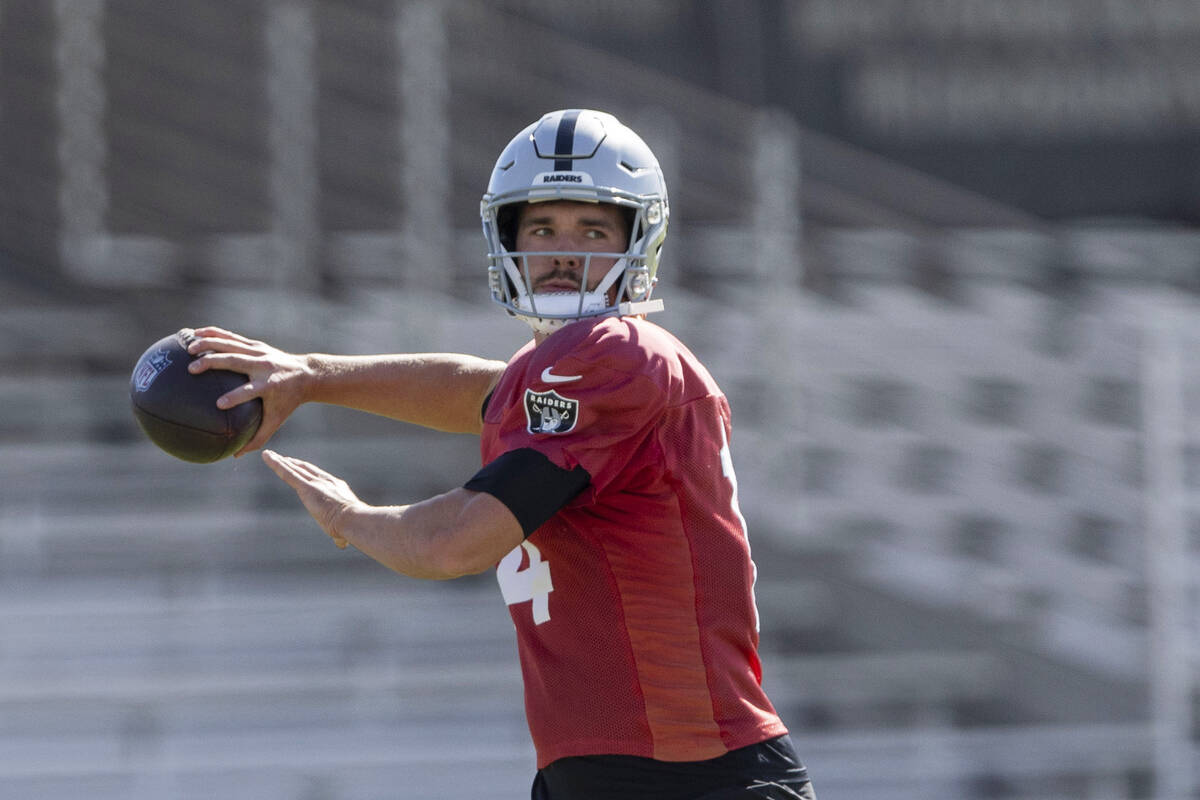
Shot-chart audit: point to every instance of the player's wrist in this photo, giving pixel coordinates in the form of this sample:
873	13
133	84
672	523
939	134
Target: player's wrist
341	522
313	375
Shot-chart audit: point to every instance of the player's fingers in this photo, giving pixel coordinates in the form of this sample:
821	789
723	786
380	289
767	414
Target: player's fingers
221	333
294	472
314	472
283	463
211	344
237	396
299	475
233	362
304	471
282	466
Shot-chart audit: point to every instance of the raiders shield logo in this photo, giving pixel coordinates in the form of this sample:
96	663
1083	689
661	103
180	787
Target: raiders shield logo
550	412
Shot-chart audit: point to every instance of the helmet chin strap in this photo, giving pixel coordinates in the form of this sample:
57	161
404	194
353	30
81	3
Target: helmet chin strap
547	326
561	308
565	304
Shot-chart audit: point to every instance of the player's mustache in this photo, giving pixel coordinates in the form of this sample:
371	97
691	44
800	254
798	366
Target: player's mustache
571	276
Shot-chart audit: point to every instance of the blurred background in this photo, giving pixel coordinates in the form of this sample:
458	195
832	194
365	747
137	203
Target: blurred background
942	255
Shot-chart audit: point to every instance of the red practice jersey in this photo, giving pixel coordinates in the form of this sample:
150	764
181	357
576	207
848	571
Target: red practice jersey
634	604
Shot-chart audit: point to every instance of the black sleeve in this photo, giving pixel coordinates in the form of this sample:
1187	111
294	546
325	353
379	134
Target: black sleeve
532	486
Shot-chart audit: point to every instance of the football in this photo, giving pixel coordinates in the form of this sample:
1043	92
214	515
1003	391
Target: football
178	410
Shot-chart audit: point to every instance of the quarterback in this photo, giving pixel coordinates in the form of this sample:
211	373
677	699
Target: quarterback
607	501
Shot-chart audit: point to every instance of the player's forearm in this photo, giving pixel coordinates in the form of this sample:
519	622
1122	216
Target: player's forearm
448	536
444	391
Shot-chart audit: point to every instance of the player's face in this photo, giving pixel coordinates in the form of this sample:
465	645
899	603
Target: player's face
567	225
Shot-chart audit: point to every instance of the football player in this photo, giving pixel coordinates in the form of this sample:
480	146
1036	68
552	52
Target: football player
607	501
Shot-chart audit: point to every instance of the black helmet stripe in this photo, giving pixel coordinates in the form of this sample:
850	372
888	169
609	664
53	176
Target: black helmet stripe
564	141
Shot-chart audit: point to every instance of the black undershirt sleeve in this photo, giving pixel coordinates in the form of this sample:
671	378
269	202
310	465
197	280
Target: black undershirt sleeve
532	486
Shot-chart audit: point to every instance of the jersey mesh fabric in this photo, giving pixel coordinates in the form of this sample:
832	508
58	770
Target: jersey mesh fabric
648	643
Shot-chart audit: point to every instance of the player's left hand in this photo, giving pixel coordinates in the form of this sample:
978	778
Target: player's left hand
327	497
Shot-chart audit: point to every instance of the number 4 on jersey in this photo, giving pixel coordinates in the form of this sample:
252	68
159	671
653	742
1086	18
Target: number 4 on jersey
532	583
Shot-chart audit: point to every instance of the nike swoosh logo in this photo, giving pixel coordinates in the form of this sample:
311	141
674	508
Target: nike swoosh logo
550	377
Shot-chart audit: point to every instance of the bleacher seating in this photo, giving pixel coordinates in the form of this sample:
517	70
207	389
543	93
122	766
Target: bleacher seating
195	628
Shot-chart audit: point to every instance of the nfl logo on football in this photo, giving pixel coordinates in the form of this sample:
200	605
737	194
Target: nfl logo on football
149	369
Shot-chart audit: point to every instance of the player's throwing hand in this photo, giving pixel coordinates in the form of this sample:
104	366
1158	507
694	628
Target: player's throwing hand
277	377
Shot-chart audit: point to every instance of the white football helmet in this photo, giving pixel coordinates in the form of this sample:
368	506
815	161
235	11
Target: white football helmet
582	155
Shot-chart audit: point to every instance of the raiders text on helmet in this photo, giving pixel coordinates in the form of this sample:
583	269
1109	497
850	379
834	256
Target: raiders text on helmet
587	156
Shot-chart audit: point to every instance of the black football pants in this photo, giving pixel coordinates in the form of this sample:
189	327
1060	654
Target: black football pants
769	770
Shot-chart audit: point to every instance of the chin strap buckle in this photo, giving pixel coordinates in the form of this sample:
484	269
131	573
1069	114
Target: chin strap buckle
630	309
